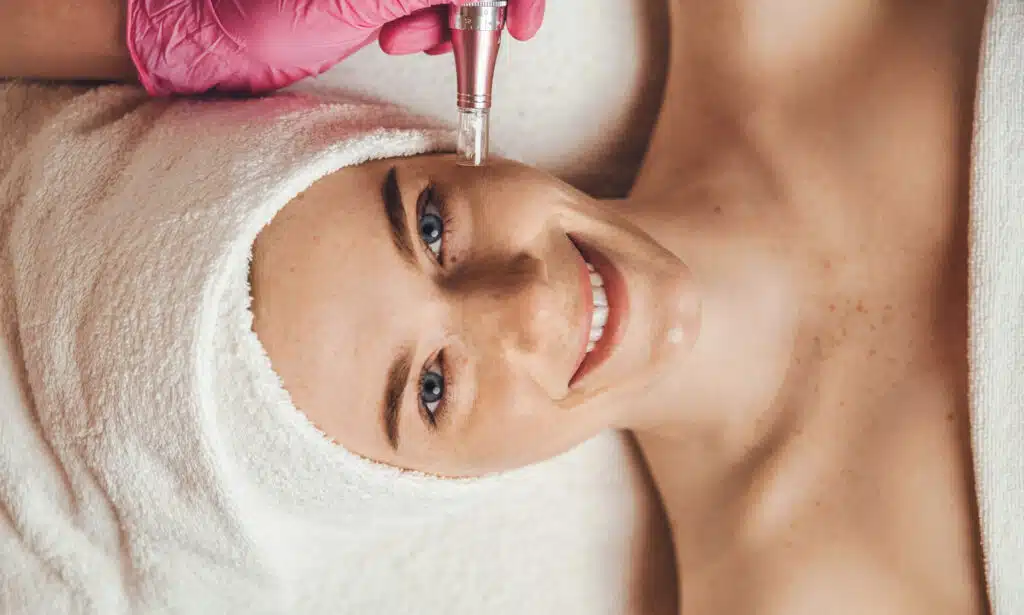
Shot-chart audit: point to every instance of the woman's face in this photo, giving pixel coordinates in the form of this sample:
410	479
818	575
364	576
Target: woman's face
438	318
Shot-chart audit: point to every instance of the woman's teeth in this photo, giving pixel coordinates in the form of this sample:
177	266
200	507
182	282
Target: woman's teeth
600	316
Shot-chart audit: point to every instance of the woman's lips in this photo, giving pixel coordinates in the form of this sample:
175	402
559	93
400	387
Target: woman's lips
618	309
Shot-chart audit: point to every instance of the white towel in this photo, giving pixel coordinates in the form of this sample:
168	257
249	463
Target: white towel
997	304
150	460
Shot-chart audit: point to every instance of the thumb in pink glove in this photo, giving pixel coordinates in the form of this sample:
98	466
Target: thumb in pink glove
194	46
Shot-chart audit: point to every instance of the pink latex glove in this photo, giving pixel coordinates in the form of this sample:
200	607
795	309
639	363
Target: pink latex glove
194	46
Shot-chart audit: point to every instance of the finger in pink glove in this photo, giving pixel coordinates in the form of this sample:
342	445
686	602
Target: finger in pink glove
427	29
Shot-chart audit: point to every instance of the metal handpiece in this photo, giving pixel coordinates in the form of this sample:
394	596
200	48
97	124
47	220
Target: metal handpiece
476	36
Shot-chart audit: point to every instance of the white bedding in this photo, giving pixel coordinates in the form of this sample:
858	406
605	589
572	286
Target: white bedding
997	304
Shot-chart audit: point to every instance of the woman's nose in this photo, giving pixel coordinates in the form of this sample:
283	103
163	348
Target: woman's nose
519	308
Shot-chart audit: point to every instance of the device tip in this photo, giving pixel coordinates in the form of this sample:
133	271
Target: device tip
472	137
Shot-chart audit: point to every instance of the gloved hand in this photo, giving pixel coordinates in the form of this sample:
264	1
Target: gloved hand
194	46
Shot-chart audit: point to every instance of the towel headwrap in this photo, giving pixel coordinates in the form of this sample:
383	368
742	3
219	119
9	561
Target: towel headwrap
179	476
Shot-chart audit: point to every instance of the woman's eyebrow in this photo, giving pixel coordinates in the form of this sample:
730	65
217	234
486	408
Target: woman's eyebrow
394	209
398	377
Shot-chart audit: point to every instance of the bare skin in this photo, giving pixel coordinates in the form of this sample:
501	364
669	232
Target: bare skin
834	139
83	40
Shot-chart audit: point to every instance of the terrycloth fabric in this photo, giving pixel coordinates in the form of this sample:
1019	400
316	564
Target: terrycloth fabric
150	461
997	304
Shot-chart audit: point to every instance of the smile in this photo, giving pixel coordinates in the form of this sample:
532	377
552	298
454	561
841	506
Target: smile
599	313
606	301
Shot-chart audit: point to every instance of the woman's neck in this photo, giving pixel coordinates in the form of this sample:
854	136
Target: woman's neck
743	173
750	315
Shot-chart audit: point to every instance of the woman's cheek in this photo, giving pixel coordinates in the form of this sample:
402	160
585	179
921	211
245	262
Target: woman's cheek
515	423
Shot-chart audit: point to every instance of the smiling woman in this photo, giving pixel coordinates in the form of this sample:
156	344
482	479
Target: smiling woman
446	320
778	312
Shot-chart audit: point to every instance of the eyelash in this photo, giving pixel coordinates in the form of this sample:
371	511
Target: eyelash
435	417
429	196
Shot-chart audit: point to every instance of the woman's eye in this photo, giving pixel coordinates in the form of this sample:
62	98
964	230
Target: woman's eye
431	223
432	390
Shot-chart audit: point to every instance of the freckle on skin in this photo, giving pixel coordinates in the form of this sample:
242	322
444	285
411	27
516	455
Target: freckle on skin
860	307
872	352
718	209
831	307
